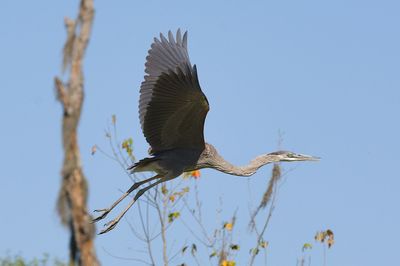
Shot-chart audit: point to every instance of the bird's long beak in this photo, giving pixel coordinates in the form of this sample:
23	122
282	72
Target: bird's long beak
303	157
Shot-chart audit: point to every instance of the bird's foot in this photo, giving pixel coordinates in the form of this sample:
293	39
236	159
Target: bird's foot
102	216
109	226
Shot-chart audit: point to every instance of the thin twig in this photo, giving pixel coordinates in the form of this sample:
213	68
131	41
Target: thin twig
125	258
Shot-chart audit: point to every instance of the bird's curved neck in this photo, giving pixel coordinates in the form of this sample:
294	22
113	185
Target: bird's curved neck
222	165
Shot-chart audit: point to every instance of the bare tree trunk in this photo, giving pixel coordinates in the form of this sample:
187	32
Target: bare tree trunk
73	193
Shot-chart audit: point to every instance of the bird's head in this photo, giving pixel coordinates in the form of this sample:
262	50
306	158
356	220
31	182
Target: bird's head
288	156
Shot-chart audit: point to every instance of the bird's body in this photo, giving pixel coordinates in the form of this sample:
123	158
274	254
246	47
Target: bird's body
170	162
172	112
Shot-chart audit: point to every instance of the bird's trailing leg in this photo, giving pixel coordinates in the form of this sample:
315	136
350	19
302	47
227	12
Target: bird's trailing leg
132	188
111	224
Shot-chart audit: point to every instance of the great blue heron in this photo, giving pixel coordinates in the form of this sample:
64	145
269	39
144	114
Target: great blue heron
172	111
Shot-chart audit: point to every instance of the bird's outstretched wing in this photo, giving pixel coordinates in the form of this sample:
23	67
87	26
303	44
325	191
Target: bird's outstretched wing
172	107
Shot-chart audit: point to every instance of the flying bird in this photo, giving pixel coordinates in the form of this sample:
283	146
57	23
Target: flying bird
172	112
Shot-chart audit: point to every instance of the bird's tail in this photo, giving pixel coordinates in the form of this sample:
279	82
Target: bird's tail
143	165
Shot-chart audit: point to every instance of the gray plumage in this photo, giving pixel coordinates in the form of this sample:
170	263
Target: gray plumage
172	112
172	107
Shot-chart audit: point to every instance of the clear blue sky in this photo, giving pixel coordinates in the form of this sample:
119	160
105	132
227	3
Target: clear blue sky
326	73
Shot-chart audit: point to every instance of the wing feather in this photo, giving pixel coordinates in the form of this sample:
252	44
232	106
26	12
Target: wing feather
172	107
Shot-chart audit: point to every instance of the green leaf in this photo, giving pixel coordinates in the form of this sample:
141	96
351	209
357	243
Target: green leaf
172	216
306	246
184	249
254	251
194	249
234	247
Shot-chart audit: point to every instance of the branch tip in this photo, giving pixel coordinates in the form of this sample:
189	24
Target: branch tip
61	91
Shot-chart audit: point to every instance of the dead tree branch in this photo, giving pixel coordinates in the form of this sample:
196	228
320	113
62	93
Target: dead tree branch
74	189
